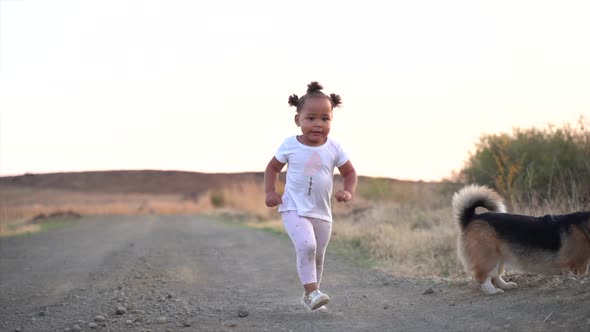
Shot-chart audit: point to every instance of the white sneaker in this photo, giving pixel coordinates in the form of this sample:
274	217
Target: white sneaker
315	300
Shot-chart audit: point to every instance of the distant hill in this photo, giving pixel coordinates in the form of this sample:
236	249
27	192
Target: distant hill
140	181
174	192
144	181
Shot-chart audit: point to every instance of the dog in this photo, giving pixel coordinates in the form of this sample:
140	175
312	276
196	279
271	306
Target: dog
488	242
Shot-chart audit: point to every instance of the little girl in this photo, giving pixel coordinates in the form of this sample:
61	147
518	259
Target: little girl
305	205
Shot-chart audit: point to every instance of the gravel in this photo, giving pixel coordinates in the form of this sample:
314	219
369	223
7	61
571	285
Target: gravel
100	318
428	291
243	312
186	273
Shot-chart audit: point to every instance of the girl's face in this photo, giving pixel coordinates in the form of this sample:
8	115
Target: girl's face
314	118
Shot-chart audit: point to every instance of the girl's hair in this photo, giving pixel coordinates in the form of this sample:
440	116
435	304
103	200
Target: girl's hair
314	89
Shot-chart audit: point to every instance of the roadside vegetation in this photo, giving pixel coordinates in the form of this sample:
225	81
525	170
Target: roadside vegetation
536	168
403	227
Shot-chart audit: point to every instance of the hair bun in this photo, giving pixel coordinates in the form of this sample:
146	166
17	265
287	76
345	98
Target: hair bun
336	100
294	100
314	87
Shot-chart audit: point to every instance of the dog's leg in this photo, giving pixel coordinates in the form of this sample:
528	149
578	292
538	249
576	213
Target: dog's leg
485	280
484	275
580	268
503	284
489	288
498	281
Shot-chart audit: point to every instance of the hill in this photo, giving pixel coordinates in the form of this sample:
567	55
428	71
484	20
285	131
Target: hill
140	181
164	192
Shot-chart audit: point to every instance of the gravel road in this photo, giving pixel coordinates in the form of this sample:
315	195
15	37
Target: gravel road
193	273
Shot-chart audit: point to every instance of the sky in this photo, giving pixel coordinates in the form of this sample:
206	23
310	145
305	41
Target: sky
203	85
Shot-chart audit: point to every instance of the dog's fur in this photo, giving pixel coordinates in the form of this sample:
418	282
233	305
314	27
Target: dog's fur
490	241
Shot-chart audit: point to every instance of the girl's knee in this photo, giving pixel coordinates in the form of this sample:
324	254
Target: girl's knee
311	251
307	246
307	252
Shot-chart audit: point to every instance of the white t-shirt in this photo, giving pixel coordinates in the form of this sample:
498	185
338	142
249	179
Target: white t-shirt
310	176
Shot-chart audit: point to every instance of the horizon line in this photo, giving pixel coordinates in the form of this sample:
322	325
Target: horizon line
199	172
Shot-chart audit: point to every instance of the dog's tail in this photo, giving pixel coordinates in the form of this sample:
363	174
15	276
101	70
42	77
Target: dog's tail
466	200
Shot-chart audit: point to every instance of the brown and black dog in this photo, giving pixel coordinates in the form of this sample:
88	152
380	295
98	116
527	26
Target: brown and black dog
490	241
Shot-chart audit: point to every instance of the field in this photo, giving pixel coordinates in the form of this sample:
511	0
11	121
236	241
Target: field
404	228
161	251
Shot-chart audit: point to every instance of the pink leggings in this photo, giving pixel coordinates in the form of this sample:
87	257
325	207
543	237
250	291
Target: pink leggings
310	237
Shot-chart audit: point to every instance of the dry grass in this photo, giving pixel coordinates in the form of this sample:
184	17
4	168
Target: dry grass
20	204
18	227
406	228
416	235
247	197
23	203
405	240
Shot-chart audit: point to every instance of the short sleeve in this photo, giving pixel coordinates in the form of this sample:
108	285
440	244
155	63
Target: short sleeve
282	153
342	156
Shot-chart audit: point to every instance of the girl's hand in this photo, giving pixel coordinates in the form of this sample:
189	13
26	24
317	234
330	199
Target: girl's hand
273	199
343	196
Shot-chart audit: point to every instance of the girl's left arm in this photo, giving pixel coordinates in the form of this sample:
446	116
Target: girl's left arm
350	180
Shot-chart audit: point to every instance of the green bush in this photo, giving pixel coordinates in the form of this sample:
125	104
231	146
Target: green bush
535	165
217	199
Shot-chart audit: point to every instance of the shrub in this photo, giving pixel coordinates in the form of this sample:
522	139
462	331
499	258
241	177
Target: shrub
535	165
217	199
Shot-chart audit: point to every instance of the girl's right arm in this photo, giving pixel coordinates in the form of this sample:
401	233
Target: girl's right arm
271	176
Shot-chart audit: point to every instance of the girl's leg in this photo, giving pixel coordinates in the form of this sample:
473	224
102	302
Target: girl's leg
301	232
323	231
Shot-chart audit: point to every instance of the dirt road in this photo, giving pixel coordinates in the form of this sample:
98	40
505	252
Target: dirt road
181	273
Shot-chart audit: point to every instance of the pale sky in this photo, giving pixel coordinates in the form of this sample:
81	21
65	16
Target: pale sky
203	85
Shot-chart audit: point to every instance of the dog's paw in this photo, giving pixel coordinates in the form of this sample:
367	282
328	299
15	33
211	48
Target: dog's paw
489	289
508	285
500	283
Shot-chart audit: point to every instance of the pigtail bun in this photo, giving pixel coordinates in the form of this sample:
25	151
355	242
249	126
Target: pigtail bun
336	100
294	100
314	87
314	90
